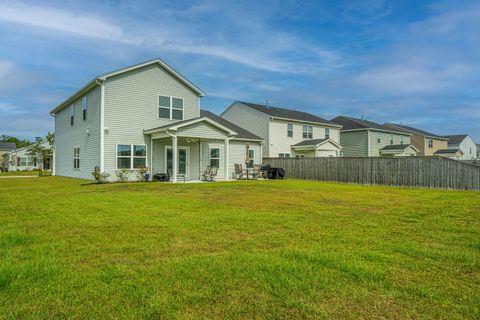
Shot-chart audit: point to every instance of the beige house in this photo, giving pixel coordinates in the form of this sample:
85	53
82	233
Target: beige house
456	154
287	132
363	138
426	143
5	148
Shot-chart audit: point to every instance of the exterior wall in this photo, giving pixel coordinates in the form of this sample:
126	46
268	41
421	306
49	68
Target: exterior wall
469	149
23	152
131	105
251	120
280	143
437	145
419	142
478	151
201	130
68	137
384	141
354	143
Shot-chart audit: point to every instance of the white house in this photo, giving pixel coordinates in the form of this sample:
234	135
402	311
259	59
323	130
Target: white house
21	160
287	132
146	115
464	143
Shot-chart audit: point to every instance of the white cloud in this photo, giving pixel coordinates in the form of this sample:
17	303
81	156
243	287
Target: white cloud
9	109
7	68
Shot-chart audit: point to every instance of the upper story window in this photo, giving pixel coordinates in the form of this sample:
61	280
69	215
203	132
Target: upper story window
76	158
402	140
131	156
391	139
289	130
307	132
379	137
84	108
430	143
327	133
72	114
170	108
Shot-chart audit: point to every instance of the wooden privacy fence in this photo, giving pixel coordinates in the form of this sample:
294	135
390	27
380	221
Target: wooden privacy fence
429	172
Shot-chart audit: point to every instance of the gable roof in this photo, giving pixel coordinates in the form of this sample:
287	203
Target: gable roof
288	114
7	146
350	123
399	147
241	132
96	81
456	139
409	129
448	151
315	143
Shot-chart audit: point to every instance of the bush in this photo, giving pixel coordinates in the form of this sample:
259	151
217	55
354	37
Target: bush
100	177
141	173
122	175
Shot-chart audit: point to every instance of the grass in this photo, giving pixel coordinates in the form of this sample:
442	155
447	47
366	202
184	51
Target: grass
261	249
20	173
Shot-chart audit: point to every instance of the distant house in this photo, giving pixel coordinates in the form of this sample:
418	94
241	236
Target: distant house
146	116
427	143
21	160
465	143
478	151
5	147
287	132
456	154
363	138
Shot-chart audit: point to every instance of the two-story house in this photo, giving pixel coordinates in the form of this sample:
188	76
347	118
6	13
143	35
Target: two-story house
145	116
465	144
287	132
427	143
363	138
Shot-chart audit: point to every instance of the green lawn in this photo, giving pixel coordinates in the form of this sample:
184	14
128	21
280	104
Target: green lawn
259	249
19	173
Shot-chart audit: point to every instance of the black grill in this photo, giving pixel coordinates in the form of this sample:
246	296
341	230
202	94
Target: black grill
272	173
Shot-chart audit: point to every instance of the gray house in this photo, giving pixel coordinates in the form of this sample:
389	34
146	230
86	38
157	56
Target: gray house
287	132
147	115
464	143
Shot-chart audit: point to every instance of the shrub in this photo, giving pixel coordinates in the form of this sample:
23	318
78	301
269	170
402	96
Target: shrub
141	173
122	175
100	177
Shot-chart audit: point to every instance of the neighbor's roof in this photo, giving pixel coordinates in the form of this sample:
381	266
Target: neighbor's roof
398	147
448	151
290	114
7	146
456	139
312	142
104	76
409	129
350	123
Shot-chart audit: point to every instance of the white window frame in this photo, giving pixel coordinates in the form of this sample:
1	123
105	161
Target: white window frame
72	114
187	167
391	139
219	156
289	131
132	156
252	158
379	137
307	126
84	107
402	140
430	143
76	158
170	108
327	133
284	155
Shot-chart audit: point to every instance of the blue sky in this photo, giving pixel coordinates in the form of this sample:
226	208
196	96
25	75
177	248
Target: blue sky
415	62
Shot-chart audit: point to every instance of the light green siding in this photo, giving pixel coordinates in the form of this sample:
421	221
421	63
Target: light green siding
83	134
375	146
201	130
354	143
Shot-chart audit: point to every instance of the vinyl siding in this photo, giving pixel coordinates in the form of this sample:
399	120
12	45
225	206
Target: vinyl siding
281	143
384	141
131	105
419	142
469	149
201	130
355	143
251	120
437	145
68	137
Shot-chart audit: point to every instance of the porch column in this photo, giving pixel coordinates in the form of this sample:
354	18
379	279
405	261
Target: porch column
226	176
174	158
151	158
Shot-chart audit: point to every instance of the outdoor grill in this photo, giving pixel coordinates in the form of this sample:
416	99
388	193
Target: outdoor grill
272	173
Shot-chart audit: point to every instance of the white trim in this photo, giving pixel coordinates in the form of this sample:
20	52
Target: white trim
102	128
309	146
368	143
76	157
171	108
190	122
374	129
187	166
131	154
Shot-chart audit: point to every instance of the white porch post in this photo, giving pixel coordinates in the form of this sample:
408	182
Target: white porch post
226	175
53	164
151	157
174	158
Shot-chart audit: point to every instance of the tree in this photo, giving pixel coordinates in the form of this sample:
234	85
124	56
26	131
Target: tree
18	143
39	152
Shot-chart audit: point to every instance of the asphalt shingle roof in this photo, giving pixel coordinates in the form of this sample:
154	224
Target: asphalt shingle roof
309	142
455	139
415	130
7	146
396	147
287	113
443	151
350	123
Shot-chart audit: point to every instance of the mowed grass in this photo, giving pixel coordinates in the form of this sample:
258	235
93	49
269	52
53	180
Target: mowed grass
259	249
19	173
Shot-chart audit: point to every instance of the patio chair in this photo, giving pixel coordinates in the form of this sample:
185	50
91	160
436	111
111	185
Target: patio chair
205	174
212	174
170	175
256	171
239	171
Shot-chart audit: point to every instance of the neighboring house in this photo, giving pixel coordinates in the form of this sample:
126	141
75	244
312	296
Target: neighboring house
478	151
456	154
287	132
20	160
147	115
363	138
427	143
5	147
465	143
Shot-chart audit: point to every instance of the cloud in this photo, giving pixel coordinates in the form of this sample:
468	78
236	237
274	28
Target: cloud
7	109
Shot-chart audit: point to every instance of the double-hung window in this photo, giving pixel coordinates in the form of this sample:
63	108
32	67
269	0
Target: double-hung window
131	156
402	140
430	143
84	108
72	114
251	155
76	158
215	157
307	132
170	108
284	155
289	130
391	139
327	133
379	137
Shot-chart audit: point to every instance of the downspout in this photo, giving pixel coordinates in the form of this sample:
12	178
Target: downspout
368	143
